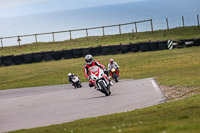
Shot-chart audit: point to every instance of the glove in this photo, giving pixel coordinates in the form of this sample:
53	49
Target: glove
104	69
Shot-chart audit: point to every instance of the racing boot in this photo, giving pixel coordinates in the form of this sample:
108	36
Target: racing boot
110	83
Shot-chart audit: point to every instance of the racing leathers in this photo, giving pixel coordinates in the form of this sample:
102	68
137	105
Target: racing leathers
70	78
87	73
115	65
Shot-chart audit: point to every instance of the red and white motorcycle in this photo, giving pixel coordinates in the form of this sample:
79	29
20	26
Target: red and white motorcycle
100	80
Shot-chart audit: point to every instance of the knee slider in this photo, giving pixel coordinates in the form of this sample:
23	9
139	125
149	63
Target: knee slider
91	85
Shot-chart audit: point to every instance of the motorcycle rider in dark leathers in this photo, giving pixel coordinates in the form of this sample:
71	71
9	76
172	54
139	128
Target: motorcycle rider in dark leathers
90	63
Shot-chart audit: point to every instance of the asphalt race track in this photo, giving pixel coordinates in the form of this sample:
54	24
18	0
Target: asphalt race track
42	106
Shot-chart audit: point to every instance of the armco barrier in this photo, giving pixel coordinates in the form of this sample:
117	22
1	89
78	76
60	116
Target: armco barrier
57	55
106	50
135	47
1	61
86	51
28	58
7	60
154	46
197	42
126	48
162	45
77	53
95	51
67	54
38	57
18	59
115	49
145	46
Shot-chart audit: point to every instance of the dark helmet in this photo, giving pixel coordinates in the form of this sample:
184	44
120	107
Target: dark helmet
88	59
111	61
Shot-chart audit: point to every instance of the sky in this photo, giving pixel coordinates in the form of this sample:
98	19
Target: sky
10	8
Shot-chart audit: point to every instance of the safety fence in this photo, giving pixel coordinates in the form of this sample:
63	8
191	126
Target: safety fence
69	32
95	51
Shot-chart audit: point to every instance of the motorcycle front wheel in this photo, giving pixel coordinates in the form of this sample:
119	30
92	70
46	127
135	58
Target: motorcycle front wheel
115	76
104	89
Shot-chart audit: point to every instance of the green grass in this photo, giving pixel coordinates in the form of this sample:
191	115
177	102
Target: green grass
170	67
173	34
182	116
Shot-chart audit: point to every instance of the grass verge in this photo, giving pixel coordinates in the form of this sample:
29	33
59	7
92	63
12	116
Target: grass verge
173	34
180	67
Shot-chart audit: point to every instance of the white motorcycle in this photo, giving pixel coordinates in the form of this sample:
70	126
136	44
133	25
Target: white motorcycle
76	82
100	80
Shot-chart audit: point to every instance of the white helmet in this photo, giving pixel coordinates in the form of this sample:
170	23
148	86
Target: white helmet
111	61
69	74
88	59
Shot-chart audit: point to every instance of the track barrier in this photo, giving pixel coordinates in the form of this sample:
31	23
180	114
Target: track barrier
154	46
48	56
7	60
162	45
18	59
57	55
95	51
38	57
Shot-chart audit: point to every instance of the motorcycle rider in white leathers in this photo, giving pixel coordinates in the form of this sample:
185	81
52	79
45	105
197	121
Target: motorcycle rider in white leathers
111	65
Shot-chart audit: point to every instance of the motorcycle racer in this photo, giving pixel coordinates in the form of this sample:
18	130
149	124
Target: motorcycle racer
74	83
112	64
70	76
90	63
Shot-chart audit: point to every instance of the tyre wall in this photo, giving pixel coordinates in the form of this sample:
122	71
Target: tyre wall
77	53
58	55
86	51
189	42
197	42
106	50
1	60
67	54
115	49
95	51
48	56
135	47
18	59
154	46
7	60
126	48
28	58
162	45
38	57
145	46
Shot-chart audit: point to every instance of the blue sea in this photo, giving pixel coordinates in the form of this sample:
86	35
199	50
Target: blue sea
158	10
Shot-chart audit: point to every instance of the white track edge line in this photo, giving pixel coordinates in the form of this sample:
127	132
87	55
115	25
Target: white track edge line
156	87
